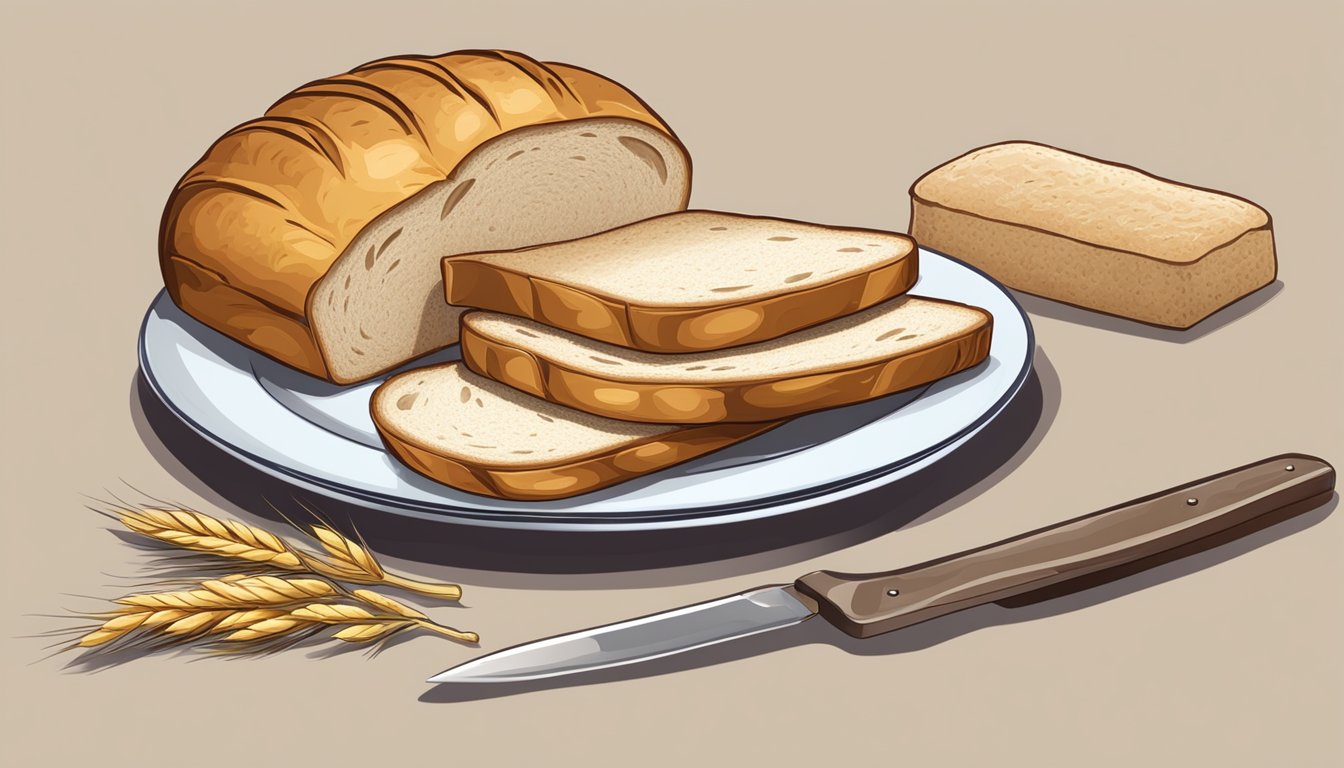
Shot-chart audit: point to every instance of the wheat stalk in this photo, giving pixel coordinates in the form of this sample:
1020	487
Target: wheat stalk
347	560
251	609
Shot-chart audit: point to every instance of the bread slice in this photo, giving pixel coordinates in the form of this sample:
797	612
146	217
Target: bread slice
900	344
690	281
463	430
314	233
1095	234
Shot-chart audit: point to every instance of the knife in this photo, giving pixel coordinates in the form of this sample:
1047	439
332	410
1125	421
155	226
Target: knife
1049	562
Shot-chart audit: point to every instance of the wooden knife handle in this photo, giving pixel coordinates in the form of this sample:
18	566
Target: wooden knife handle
1079	553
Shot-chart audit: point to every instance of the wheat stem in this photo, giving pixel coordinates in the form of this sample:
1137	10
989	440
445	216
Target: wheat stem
468	637
430	589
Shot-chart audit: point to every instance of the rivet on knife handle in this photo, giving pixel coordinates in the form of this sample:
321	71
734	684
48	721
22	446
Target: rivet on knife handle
1079	553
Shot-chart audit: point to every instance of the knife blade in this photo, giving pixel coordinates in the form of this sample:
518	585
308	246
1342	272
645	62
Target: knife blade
1042	564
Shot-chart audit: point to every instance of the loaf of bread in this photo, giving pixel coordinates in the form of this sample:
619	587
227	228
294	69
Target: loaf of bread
1094	234
315	232
893	346
690	281
483	437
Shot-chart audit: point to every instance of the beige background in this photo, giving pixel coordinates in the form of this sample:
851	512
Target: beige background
824	112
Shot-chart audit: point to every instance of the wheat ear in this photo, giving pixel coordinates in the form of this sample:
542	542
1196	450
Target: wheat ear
252	608
348	560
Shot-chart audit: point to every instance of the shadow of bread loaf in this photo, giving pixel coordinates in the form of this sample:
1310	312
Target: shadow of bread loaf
314	233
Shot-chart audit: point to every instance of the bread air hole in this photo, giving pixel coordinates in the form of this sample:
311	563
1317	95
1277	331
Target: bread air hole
781	239
604	360
466	394
850	250
730	288
648	153
797	277
889	334
376	251
718	229
405	402
455	197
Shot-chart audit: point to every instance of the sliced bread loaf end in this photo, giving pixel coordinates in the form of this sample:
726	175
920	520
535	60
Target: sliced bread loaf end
480	436
1095	234
690	281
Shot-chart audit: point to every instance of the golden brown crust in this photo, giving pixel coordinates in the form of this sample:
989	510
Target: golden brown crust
470	282
583	475
746	401
243	317
274	202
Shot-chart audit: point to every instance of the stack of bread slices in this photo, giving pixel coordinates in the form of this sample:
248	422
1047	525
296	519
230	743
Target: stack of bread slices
591	361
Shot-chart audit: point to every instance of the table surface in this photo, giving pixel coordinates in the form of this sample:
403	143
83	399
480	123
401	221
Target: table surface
822	113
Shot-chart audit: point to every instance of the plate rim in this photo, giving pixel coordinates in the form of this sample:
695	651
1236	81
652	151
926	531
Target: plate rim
548	520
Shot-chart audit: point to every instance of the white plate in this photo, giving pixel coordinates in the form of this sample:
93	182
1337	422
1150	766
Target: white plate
319	436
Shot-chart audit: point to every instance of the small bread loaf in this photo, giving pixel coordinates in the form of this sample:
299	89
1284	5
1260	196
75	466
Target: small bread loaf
1094	234
690	281
314	233
896	345
481	436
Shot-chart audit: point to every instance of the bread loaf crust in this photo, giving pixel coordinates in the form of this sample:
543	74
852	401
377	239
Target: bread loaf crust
745	401
253	227
1203	269
475	283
